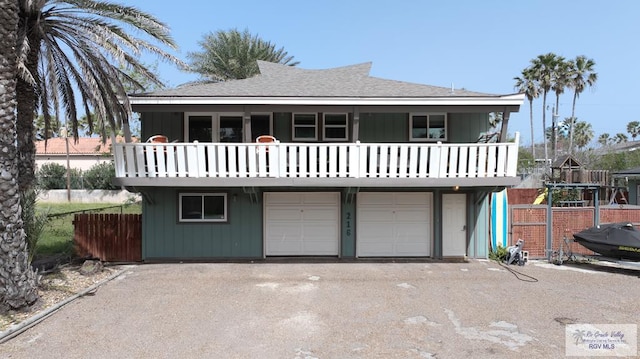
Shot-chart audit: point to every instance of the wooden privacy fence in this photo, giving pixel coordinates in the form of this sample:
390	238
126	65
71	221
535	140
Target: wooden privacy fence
109	237
529	222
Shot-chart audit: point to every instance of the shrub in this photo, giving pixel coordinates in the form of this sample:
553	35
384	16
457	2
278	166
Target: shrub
52	176
499	254
100	176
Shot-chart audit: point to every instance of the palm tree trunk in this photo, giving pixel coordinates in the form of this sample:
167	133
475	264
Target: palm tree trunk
533	142
27	106
17	279
573	120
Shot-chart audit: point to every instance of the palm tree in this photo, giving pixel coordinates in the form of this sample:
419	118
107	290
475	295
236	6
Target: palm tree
543	68
495	118
604	139
66	51
621	137
633	128
559	83
526	84
53	131
232	54
582	75
17	280
565	126
583	134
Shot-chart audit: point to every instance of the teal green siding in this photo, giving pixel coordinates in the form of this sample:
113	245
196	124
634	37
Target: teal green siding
242	236
384	127
465	127
437	223
478	214
394	127
348	225
164	237
169	124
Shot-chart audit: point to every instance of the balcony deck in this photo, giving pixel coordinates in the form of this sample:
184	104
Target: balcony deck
316	164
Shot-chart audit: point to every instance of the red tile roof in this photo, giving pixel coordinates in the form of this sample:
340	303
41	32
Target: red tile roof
83	146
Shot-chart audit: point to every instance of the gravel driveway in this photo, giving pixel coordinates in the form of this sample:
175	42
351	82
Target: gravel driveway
333	310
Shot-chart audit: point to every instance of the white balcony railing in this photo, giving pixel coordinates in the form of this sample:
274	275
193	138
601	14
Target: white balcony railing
315	160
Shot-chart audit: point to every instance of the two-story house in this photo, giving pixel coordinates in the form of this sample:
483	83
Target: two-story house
296	162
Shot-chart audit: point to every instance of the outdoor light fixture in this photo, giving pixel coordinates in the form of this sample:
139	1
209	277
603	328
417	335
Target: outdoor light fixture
455	188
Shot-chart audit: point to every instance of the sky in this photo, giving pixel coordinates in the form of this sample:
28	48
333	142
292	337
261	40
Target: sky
477	45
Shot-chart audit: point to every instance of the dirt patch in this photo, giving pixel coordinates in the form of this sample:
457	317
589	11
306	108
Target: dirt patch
53	288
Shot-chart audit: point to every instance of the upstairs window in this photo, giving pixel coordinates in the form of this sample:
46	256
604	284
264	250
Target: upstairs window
203	207
335	127
428	127
305	127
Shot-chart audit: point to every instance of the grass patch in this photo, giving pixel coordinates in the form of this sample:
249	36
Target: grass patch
57	236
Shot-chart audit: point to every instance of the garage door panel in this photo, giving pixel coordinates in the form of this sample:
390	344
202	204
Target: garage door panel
320	198
411	249
374	215
320	214
381	199
301	223
394	224
282	198
284	214
412	198
418	215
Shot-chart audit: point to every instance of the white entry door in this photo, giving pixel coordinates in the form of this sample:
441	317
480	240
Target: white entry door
394	224
302	223
454	225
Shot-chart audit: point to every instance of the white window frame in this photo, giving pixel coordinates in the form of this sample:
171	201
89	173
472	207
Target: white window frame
293	127
428	115
215	123
203	195
345	126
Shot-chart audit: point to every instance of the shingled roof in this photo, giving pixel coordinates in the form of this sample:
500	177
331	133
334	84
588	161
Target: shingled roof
277	80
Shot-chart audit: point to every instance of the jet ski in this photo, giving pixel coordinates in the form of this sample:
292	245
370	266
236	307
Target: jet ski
613	240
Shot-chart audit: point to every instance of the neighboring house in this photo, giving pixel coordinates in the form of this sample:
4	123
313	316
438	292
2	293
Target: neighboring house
627	184
83	154
360	167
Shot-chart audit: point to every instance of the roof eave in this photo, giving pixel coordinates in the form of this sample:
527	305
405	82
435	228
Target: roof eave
507	100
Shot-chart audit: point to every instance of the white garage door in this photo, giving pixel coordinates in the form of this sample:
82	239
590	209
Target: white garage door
394	224
302	223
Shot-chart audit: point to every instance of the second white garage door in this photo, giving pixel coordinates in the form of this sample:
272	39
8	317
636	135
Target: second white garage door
302	223
394	224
